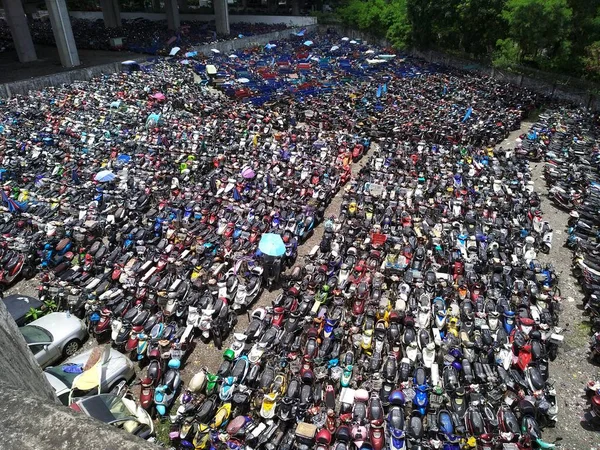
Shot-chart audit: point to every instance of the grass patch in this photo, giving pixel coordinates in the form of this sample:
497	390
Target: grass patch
161	430
584	328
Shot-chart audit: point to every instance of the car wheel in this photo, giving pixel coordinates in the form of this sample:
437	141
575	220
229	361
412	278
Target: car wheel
71	348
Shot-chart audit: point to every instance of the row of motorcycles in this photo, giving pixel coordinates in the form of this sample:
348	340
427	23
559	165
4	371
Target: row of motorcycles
571	171
152	245
421	320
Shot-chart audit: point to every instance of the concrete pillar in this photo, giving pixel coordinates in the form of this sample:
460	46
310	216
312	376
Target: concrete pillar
19	29
221	17
111	12
172	10
63	33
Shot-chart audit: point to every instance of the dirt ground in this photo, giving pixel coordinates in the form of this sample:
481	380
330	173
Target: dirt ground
569	372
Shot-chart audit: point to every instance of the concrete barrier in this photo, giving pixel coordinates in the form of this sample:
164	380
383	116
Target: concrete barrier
22	87
251	41
296	21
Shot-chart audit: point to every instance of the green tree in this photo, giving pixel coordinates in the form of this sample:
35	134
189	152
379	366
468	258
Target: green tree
379	17
420	15
540	28
481	25
591	61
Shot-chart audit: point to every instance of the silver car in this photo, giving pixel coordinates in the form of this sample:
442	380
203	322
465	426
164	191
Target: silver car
118	368
55	336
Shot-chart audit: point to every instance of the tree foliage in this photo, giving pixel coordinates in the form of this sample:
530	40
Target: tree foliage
380	17
556	35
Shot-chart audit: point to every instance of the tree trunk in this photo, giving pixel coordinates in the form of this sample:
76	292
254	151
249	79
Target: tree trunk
271	6
295	7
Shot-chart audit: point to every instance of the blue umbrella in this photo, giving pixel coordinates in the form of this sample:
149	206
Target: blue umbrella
124	159
14	206
105	176
271	244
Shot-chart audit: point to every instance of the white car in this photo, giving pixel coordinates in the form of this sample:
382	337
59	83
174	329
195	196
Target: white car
118	368
54	337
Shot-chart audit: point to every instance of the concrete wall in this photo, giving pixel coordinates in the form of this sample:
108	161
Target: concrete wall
24	86
35	84
297	21
251	41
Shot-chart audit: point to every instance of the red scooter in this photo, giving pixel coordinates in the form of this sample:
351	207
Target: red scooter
103	325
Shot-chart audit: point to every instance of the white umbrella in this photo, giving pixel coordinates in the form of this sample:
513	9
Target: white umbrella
353	42
369	52
243	80
334	48
308	43
345	39
174	51
233	56
214	50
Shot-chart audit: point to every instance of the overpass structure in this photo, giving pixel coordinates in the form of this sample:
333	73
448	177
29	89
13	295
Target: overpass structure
63	33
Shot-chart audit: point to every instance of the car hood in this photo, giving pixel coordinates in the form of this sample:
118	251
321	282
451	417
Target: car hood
19	305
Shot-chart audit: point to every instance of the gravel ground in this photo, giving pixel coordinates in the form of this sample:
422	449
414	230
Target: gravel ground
571	370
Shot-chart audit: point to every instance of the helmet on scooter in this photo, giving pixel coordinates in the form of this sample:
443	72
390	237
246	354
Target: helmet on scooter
397	398
229	355
323	436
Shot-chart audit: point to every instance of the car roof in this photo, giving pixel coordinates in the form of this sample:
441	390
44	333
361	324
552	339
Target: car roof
57	320
82	358
18	305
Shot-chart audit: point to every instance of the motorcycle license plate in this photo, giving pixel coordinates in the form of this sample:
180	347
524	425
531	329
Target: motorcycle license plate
409	393
435	399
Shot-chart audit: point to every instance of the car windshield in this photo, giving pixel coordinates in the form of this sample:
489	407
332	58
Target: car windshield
34	334
106	408
65	378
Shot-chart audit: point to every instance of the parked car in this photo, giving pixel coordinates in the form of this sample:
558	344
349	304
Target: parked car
19	305
118	368
119	411
53	337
